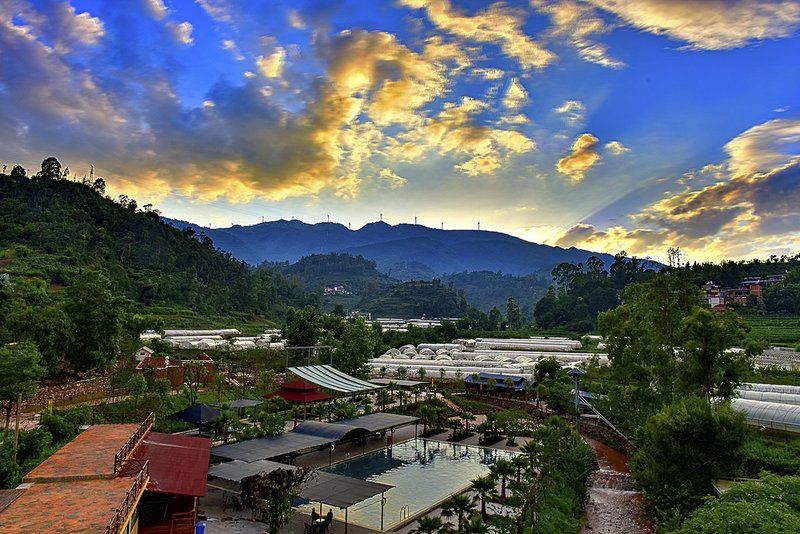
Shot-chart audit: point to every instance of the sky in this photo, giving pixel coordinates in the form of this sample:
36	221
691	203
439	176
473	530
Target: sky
609	125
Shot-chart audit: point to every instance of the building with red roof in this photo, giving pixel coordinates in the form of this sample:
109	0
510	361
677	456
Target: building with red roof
113	479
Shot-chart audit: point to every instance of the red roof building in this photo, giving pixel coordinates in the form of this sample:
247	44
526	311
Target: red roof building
300	392
113	479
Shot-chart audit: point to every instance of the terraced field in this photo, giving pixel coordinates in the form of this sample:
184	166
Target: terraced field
775	329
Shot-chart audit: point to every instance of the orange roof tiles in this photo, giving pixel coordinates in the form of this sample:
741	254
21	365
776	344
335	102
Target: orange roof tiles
91	454
73	506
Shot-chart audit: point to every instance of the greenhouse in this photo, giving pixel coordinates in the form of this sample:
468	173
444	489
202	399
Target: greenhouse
771	415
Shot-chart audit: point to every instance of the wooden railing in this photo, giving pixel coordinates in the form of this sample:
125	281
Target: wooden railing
132	441
139	482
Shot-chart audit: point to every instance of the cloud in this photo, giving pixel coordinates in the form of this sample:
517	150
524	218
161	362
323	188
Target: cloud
752	207
393	179
762	147
616	148
709	25
489	73
516	95
497	24
156	9
295	20
218	10
577	22
230	44
271	66
611	241
583	156
573	111
454	131
181	32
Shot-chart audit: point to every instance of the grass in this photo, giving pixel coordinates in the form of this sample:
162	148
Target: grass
779	455
775	329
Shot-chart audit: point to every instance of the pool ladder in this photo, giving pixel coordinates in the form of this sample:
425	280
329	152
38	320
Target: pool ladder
404	512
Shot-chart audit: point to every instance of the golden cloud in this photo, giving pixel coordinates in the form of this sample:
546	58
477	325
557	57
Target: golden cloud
394	180
583	156
516	95
706	25
578	22
573	110
271	66
497	24
616	148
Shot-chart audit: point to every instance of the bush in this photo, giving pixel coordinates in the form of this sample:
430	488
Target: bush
681	450
32	443
61	428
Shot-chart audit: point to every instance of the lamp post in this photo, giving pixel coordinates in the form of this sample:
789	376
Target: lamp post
576	376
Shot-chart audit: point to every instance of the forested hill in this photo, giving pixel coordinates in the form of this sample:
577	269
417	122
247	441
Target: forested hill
53	228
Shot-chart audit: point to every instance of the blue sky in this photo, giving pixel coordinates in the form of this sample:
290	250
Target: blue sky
611	125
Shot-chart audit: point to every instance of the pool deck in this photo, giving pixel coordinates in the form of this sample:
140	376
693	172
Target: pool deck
231	522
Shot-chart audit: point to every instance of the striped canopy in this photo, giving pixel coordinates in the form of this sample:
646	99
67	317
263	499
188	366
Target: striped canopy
330	378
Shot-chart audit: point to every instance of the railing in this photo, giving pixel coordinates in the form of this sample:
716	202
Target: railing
130	499
404	511
132	441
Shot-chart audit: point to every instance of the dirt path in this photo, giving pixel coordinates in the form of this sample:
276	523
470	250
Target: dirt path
614	507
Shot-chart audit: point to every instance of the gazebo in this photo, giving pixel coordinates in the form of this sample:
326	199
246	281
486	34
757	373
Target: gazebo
301	392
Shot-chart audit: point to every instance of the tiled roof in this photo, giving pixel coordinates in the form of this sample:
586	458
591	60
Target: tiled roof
178	464
72	506
89	455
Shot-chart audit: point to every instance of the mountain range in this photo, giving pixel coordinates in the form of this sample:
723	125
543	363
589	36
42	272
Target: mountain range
404	251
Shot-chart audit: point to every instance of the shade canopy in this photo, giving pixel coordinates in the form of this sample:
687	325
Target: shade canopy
327	488
198	414
333	379
300	392
309	435
238	403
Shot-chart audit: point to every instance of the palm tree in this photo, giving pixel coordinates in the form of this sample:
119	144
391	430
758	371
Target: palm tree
475	525
383	395
502	469
520	463
484	487
458	506
455	425
467	417
428	524
426	414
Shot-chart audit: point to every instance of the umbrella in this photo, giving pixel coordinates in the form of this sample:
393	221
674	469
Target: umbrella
198	414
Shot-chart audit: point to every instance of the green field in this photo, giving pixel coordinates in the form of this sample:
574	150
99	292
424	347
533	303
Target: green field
775	329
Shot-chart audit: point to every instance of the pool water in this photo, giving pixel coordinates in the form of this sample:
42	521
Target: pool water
423	473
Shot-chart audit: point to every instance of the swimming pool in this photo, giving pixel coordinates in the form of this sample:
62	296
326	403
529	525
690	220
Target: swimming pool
423	472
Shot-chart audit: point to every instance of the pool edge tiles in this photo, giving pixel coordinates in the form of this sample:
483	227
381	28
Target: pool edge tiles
423	472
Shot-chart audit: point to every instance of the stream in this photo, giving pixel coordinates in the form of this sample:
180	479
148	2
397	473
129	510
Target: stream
613	507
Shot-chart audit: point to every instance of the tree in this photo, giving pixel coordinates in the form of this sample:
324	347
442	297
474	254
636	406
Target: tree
682	449
99	318
195	371
428	524
357	347
137	384
18	172
458	506
502	469
20	373
271	494
511	423
51	169
426	414
769	504
495	318
484	488
304	328
513	315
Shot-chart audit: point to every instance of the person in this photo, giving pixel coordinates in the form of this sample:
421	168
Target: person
329	516
314	516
